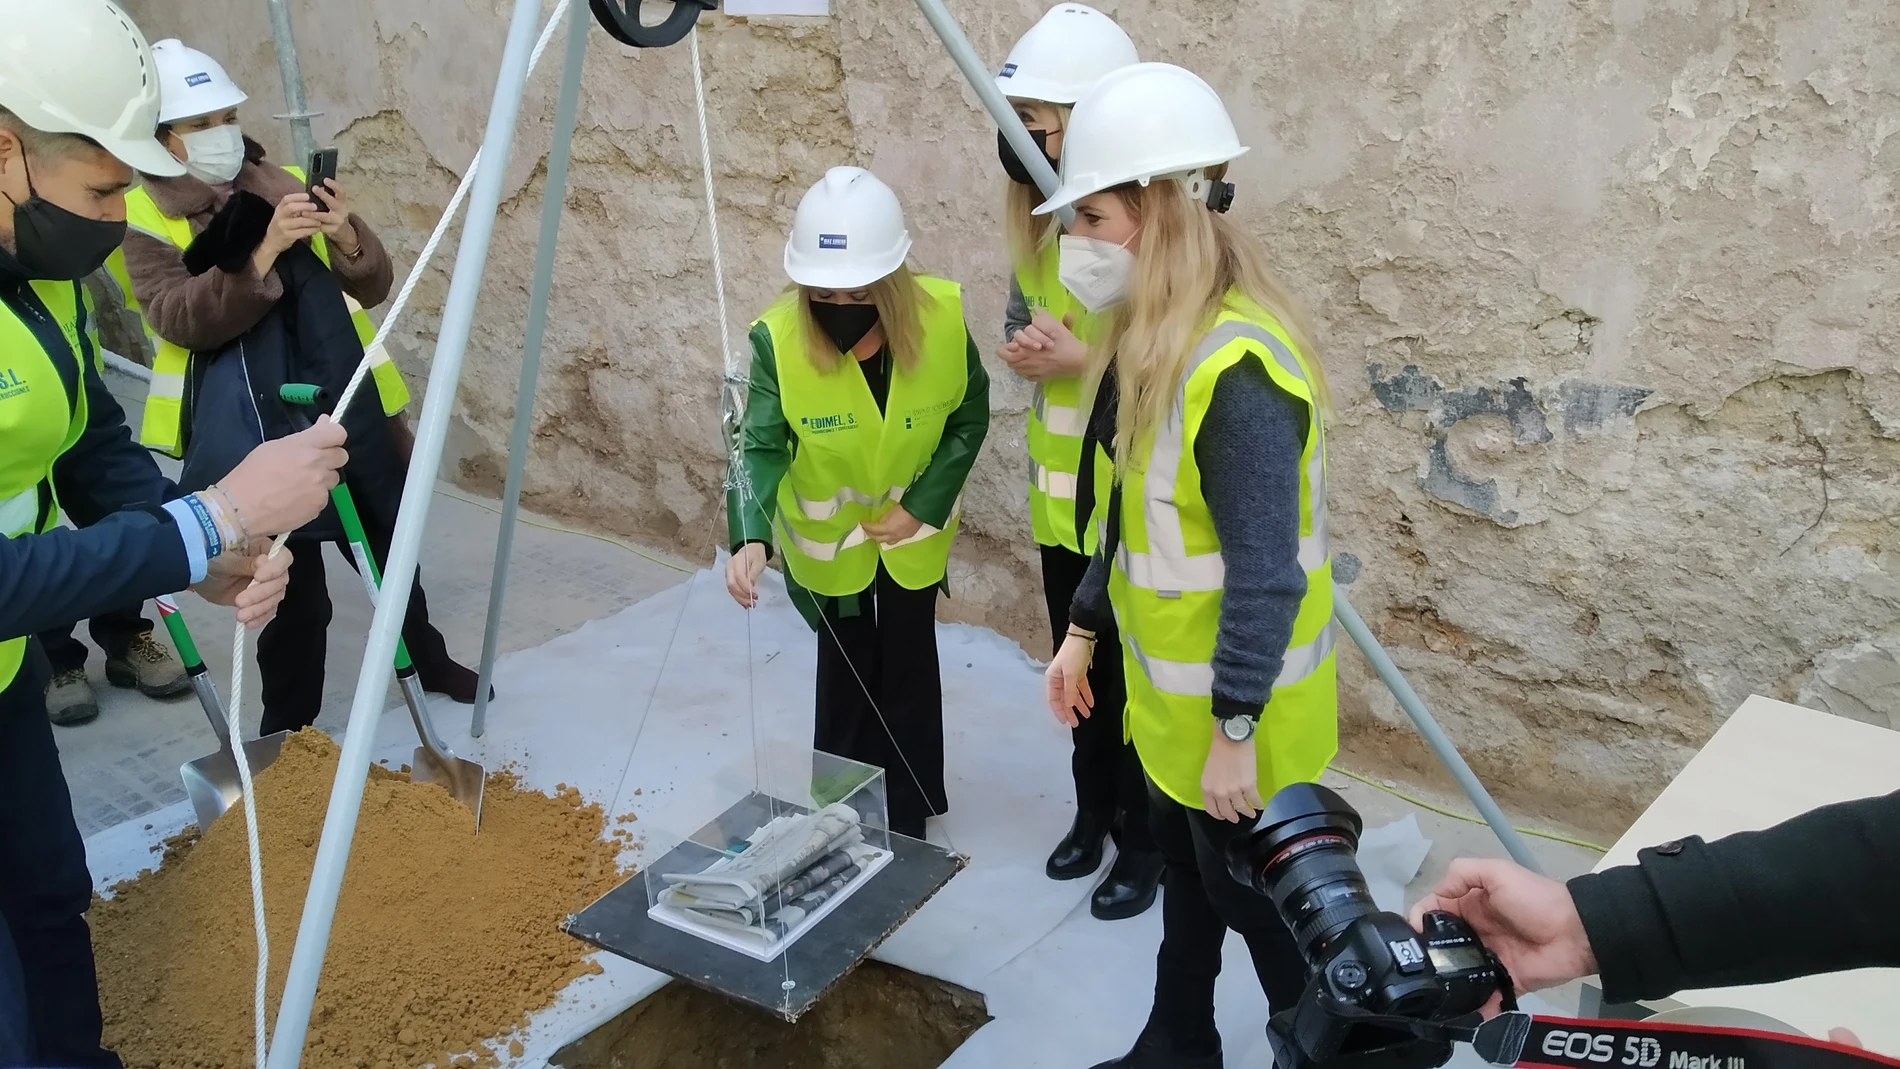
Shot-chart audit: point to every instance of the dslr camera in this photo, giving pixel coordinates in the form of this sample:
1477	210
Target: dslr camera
1380	995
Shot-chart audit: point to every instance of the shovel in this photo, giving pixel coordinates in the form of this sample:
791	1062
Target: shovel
433	761
211	782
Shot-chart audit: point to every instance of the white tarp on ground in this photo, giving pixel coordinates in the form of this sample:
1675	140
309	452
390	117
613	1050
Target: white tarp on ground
1066	990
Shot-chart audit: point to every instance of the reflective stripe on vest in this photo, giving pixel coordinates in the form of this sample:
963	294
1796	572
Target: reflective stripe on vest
39	418
1168	575
1197	679
829	551
1056	419
19	512
171	364
1064	420
850	461
1169	568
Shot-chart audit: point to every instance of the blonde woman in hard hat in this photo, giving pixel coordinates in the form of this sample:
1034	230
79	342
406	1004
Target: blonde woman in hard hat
285	303
1215	563
1048	70
867	406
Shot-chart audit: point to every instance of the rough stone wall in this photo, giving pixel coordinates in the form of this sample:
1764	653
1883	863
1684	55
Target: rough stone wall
1605	288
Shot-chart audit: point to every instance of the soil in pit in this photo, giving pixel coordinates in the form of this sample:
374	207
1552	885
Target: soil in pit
878	1017
444	940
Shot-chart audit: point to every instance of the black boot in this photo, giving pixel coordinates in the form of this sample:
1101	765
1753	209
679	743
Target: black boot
440	674
1079	853
1130	887
1151	1051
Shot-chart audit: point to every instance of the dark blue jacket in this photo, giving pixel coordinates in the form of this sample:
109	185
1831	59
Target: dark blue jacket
132	550
307	337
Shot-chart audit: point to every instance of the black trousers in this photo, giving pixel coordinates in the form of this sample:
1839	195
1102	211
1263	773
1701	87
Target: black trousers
45	888
880	694
1109	784
113	631
1200	903
293	647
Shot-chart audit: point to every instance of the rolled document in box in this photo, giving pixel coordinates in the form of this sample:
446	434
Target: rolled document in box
788	917
798	886
779	851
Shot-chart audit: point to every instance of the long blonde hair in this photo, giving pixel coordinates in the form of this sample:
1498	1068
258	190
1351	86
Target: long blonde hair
900	302
1188	260
1028	234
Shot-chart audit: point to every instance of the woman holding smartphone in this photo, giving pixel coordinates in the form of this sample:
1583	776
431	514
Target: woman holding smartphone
249	277
867	406
1215	562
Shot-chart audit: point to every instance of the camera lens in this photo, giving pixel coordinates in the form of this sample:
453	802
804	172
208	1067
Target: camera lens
1300	855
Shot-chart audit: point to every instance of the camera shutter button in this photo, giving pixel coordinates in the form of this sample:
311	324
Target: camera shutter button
1670	848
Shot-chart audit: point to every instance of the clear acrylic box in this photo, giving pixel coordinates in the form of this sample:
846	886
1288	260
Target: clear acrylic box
795	876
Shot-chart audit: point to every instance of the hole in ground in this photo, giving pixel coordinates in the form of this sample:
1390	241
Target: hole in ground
878	1017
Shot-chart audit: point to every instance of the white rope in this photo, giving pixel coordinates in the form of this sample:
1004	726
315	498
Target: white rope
235	732
731	361
237	642
730	365
397	306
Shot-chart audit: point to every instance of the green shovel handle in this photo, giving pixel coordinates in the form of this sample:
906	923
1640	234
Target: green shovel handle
181	635
353	529
301	393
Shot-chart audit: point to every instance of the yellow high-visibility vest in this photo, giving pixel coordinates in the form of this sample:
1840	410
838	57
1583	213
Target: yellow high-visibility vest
852	462
1168	575
164	403
1057	420
39	420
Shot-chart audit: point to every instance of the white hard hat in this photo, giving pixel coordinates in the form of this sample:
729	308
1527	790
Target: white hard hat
1139	123
849	232
1063	54
191	83
82	67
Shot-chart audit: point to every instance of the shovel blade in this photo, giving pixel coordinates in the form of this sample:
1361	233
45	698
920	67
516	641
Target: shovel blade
459	776
212	784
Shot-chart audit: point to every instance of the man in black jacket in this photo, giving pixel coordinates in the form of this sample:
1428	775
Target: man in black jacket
1819	893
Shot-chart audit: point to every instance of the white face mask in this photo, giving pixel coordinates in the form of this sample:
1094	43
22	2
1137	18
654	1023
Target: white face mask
215	155
1097	272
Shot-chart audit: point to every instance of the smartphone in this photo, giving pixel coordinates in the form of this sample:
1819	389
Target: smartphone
322	167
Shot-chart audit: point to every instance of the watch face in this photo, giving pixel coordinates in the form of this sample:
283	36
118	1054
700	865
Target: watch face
1239	728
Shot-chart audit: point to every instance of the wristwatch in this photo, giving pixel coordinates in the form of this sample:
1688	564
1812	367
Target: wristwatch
1237	728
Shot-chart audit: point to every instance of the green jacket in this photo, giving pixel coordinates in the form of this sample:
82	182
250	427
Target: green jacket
767	444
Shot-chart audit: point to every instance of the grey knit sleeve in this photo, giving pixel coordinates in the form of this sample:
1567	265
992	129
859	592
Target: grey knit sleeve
1248	450
1018	314
1090	610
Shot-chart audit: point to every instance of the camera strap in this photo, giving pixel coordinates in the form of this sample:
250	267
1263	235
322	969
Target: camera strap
1538	1042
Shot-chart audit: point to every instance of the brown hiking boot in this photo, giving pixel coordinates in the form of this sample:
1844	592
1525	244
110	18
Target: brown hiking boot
70	700
150	667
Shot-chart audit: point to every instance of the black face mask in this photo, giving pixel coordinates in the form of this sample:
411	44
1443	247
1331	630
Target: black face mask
1013	164
54	244
845	324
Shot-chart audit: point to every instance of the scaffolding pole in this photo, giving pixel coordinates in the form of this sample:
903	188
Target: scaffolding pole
554	197
1435	737
372	684
302	142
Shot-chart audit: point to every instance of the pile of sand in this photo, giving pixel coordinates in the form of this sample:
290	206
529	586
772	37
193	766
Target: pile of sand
444	939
